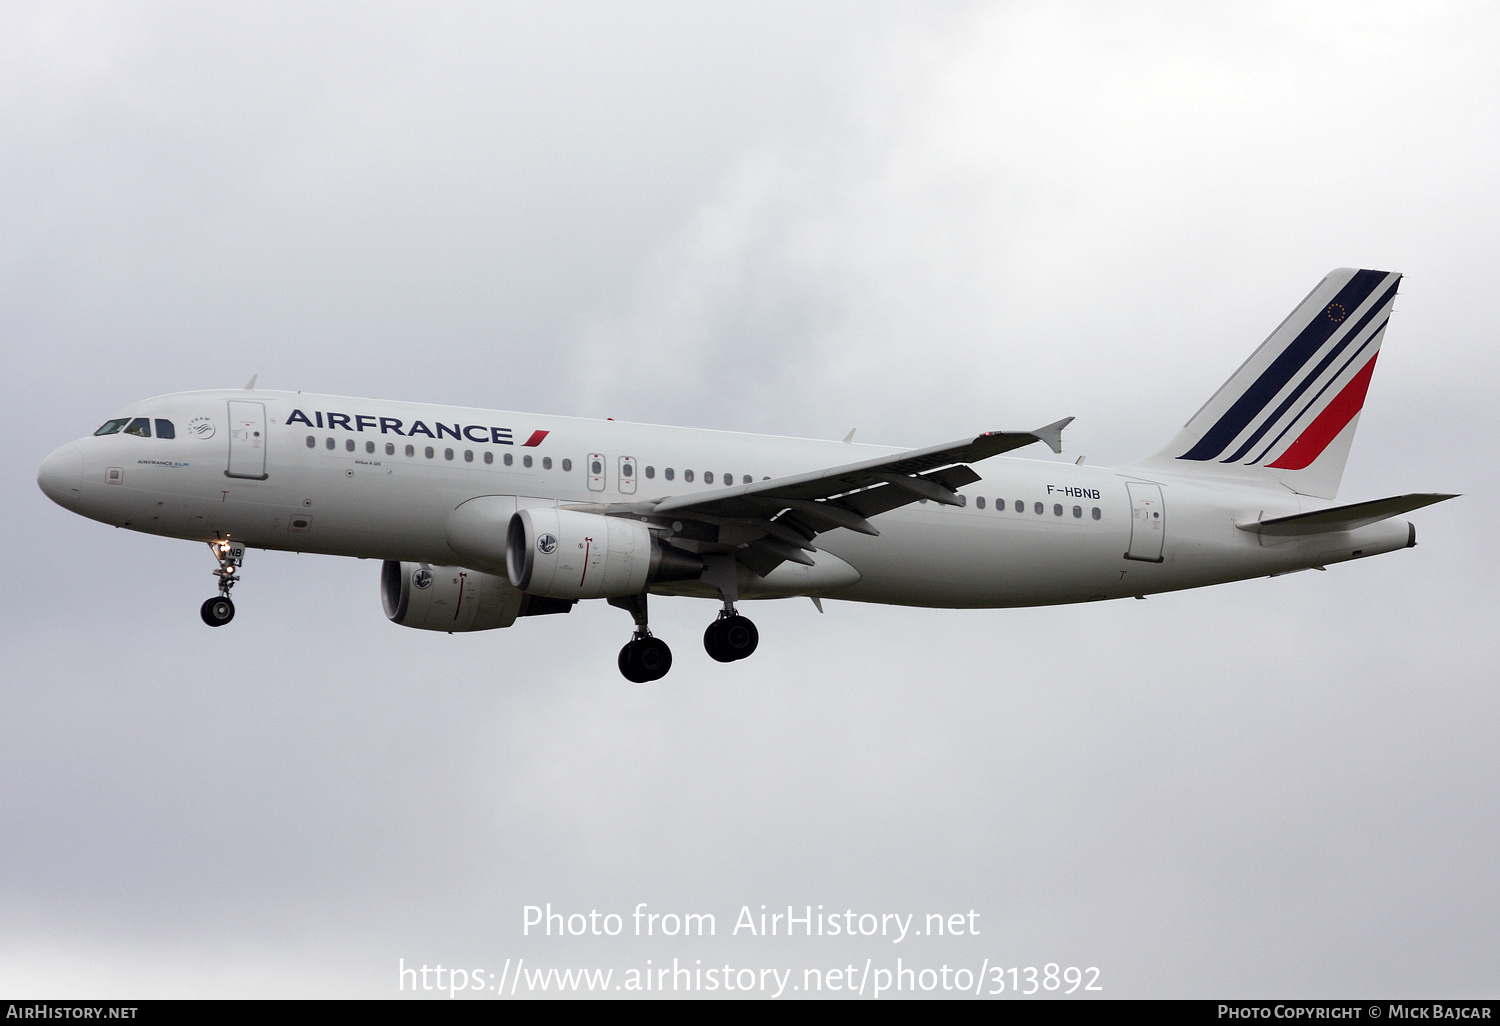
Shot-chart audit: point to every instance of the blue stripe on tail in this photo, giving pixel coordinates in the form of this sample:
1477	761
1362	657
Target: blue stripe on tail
1317	371
1291	360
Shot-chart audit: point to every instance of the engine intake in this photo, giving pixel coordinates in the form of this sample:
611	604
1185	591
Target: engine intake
567	554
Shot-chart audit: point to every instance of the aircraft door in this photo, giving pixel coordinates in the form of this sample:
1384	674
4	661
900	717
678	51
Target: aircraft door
626	478
595	471
1148	522
247	440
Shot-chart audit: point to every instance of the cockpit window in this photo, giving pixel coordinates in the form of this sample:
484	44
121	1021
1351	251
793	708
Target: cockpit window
164	429
140	426
111	426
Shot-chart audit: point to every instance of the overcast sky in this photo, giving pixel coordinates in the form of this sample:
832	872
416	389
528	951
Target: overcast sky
919	221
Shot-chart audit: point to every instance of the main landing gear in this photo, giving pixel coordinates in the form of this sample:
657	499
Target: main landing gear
730	637
644	658
218	611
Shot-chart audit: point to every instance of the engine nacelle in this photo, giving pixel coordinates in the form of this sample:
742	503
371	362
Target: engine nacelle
567	554
447	598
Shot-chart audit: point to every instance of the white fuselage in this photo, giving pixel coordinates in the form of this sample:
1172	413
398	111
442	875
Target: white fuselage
380	479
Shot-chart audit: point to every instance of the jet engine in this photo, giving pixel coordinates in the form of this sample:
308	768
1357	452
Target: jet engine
450	598
567	554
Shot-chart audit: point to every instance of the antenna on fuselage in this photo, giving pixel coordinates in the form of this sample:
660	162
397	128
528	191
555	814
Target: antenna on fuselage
250	385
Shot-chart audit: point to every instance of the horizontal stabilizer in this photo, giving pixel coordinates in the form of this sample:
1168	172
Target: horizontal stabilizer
1343	518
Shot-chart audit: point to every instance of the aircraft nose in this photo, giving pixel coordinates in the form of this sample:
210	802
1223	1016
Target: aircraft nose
61	475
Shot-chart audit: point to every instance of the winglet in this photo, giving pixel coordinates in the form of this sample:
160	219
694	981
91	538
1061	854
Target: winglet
1052	433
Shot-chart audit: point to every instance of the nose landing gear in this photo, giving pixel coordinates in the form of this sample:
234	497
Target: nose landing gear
216	612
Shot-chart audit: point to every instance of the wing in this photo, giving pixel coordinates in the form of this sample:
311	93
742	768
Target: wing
768	522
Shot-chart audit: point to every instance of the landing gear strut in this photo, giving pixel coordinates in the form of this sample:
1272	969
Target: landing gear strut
731	636
644	658
216	612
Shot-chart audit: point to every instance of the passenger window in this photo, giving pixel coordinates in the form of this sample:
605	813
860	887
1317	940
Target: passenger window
525	461
1096	512
349	444
369	447
411	450
329	444
546	462
468	455
729	479
1039	508
1020	506
390	448
509	459
1077	512
447	454
650	473
708	477
687	475
963	500
140	426
567	465
164	429
669	473
999	505
312	443
979	502
427	451
1057	510
489	457
746	479
596	468
111	426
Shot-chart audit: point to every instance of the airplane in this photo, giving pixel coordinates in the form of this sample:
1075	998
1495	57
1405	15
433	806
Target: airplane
483	517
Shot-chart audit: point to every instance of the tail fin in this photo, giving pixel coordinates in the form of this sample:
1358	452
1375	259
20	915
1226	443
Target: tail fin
1290	411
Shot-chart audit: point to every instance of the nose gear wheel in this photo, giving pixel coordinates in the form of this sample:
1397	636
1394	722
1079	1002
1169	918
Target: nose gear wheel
216	612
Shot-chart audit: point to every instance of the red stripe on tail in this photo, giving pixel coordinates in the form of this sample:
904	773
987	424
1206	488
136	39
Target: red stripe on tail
1326	427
